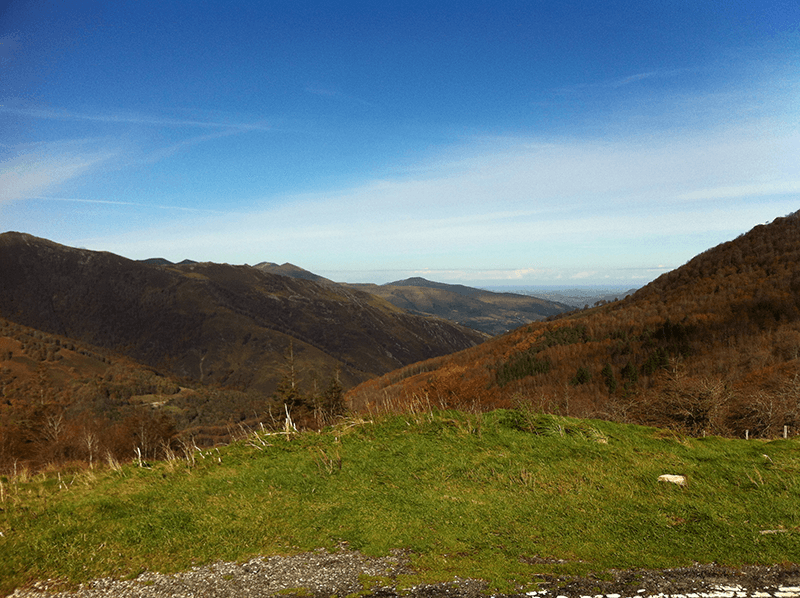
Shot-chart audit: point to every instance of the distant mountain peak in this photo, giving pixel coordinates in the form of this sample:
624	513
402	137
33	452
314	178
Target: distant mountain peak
288	269
216	323
413	281
711	347
487	311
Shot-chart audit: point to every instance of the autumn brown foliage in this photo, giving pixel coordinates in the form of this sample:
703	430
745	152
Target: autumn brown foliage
217	324
711	347
63	401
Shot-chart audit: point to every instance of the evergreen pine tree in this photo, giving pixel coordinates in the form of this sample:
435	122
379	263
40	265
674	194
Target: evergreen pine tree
608	376
333	398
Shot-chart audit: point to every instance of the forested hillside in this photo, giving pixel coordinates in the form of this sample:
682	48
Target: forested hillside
711	347
487	311
213	323
100	355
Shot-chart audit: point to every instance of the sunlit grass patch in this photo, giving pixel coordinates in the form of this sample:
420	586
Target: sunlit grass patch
501	496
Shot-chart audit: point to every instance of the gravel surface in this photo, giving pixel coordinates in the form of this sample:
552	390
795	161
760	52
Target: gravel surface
317	573
782	581
320	573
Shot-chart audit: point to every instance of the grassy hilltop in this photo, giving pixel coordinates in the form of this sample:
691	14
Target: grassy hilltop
503	496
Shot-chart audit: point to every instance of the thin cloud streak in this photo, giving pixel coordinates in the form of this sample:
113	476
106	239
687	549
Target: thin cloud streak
45	166
735	191
132	204
29	174
664	74
620	82
133	119
567	205
160	154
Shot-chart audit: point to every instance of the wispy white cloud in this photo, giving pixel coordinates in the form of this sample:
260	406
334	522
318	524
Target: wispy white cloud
132	118
111	202
747	190
161	153
516	210
38	168
635	78
30	174
620	82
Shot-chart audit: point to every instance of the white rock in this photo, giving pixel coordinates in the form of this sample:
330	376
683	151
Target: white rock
673	479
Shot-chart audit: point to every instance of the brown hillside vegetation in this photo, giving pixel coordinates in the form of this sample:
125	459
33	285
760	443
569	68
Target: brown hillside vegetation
288	269
712	347
62	400
213	323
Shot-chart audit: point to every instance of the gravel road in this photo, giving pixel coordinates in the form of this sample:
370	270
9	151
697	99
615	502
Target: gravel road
320	573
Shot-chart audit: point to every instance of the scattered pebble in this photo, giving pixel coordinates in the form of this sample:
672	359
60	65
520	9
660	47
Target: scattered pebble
321	574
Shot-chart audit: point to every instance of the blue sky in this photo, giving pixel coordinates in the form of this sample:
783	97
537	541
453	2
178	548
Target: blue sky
486	143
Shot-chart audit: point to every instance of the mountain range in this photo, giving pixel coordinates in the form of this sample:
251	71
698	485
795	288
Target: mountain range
712	347
93	345
213	323
487	311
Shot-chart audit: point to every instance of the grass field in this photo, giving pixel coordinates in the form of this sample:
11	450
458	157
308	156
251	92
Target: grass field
501	496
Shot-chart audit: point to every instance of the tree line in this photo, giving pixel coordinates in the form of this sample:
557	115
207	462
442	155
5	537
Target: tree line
127	412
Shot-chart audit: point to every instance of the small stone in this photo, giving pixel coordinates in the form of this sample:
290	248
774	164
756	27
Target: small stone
673	479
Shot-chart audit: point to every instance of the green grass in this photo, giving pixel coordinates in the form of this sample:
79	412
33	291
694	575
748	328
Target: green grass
502	496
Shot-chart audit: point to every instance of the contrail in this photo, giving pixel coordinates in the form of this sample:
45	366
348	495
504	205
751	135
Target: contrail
129	203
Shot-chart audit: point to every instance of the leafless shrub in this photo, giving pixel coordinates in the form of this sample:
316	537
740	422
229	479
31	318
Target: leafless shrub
693	405
765	413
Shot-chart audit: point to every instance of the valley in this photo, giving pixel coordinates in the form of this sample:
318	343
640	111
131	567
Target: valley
199	387
709	348
203	351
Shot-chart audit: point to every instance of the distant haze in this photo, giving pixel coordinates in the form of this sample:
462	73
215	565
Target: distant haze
575	296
